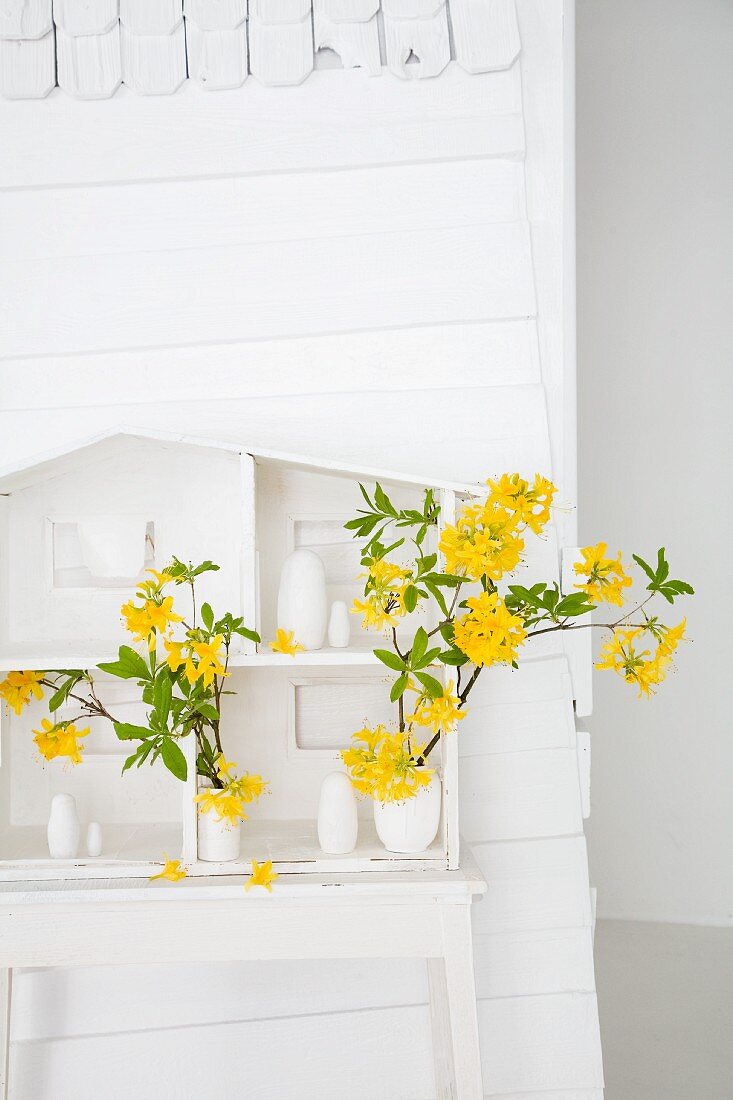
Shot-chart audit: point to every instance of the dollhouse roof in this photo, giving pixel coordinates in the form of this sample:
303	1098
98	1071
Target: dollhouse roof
117	440
154	46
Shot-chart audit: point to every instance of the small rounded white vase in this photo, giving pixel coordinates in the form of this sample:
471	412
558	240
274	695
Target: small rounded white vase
339	627
338	824
218	841
410	827
94	839
112	546
63	827
302	603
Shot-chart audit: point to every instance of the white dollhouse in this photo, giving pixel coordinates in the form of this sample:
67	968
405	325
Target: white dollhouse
287	717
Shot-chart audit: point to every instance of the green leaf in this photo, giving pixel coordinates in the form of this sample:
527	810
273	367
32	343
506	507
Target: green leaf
645	566
398	687
453	657
208	711
174	759
419	646
433	687
162	696
410	598
437	596
207	616
390	659
127	732
130	665
59	697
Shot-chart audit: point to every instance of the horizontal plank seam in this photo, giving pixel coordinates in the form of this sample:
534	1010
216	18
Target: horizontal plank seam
301	170
269	339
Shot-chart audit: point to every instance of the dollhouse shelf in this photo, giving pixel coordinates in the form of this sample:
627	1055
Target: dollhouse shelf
283	717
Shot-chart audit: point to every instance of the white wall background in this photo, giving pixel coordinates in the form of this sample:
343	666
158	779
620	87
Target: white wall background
655	371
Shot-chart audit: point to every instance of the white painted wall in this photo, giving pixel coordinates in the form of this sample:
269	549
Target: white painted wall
301	269
655	169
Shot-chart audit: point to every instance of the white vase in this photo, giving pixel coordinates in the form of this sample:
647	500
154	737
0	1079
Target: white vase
339	627
94	839
302	604
218	841
112	546
410	826
338	824
63	827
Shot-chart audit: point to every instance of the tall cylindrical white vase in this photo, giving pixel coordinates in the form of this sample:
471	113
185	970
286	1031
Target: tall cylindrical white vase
338	824
302	603
339	627
63	827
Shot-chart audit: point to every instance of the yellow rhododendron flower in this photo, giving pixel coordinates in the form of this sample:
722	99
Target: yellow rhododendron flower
18	687
484	542
224	768
59	739
384	597
605	577
622	654
208	663
530	504
488	633
262	875
670	638
176	656
143	621
385	766
285	643
172	871
225	804
439	714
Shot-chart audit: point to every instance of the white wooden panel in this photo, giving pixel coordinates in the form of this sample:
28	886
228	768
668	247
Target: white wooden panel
264	291
356	43
217	59
27	67
346	11
539	1043
151	16
278	11
366	1049
212	15
417	48
563	1094
584	769
520	794
204	213
411	9
25	18
80	17
485	33
153	64
522	964
148	997
533	884
89	65
344	427
326	712
480	355
281	53
330	123
578	644
519	726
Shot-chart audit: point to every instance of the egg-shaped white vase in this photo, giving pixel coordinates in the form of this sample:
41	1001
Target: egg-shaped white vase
63	827
338	824
410	827
302	603
339	627
112	546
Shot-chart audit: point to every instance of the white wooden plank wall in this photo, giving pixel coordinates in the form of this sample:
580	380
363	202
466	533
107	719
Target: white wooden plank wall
301	269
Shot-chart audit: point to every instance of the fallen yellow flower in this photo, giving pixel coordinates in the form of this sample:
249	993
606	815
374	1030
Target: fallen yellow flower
262	875
172	871
286	643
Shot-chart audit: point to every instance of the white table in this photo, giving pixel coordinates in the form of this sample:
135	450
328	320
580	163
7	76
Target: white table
424	914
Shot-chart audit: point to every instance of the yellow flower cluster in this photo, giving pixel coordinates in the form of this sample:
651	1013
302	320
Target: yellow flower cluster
18	687
228	802
199	659
488	633
384	601
486	539
385	766
605	578
60	739
439	714
153	616
623	654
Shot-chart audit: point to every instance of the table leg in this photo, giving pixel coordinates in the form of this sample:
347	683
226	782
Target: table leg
460	992
6	987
